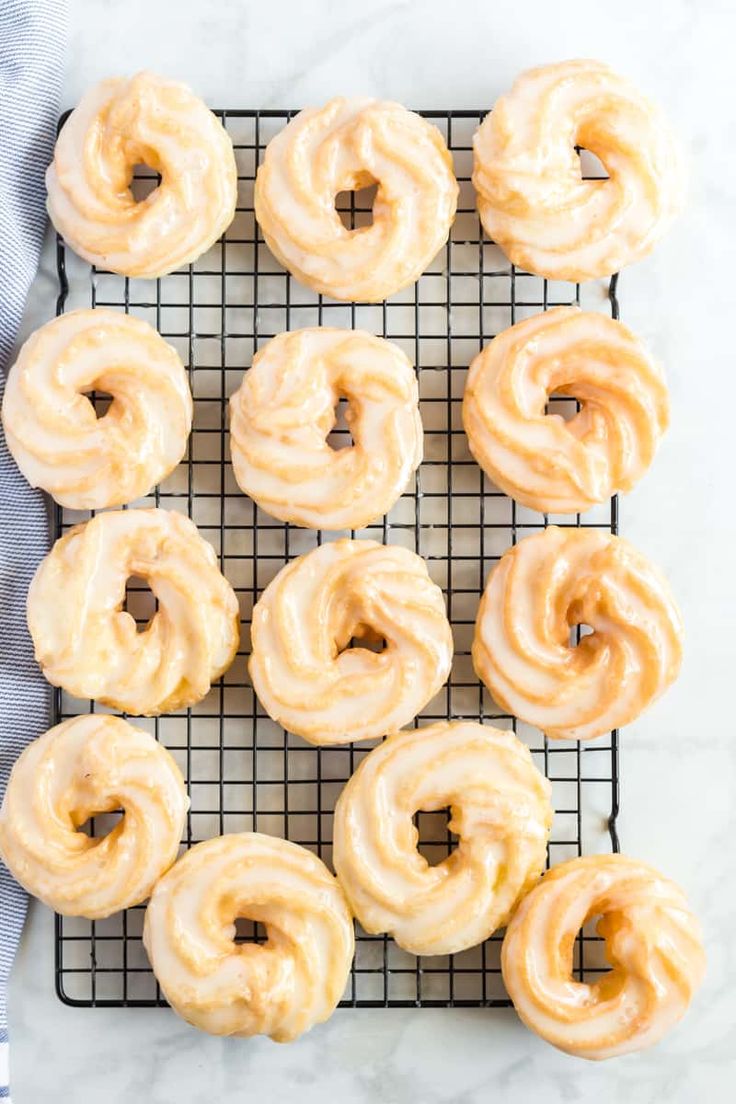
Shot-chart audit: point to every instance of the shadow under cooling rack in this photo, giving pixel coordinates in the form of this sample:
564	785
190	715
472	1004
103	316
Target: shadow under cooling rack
243	771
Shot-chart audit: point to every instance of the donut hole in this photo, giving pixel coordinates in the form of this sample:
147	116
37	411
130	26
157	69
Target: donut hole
140	602
355	208
144	180
591	166
249	931
367	638
101	401
578	631
99	825
435	841
340	436
563	406
595	957
589	960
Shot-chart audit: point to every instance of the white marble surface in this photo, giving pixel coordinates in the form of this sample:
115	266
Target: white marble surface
678	764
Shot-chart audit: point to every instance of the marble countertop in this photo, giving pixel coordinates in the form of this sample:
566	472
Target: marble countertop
678	764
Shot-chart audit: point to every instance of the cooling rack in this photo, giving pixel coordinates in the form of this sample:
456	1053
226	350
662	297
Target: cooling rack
242	770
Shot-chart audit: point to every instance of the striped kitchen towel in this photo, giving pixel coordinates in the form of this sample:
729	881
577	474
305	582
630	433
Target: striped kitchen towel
32	48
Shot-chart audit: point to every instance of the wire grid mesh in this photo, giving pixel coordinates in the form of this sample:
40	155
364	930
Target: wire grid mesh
242	770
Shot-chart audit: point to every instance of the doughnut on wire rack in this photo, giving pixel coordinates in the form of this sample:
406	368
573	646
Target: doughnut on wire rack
243	771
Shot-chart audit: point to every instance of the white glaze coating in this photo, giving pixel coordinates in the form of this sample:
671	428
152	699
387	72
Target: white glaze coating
304	673
83	767
532	199
346	145
52	429
87	644
500	810
653	944
538	458
550	582
284	409
280	988
117	124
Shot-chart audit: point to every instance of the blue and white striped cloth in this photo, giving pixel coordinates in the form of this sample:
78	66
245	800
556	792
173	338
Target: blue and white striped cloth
32	47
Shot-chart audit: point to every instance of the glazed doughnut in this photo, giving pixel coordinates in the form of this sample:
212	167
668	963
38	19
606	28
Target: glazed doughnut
86	643
532	199
280	988
81	768
541	460
544	586
285	408
344	146
118	124
652	942
302	668
501	813
52	429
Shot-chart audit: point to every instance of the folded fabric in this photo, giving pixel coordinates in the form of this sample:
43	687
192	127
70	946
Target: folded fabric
32	47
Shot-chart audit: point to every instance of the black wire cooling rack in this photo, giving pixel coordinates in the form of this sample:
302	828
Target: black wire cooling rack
243	771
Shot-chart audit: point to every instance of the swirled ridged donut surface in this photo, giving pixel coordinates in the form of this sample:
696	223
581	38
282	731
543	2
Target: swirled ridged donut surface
500	811
280	988
344	146
86	643
283	411
52	429
118	124
543	587
532	199
303	670
81	768
538	458
652	942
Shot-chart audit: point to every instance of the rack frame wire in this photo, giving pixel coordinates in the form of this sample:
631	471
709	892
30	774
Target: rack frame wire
243	772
